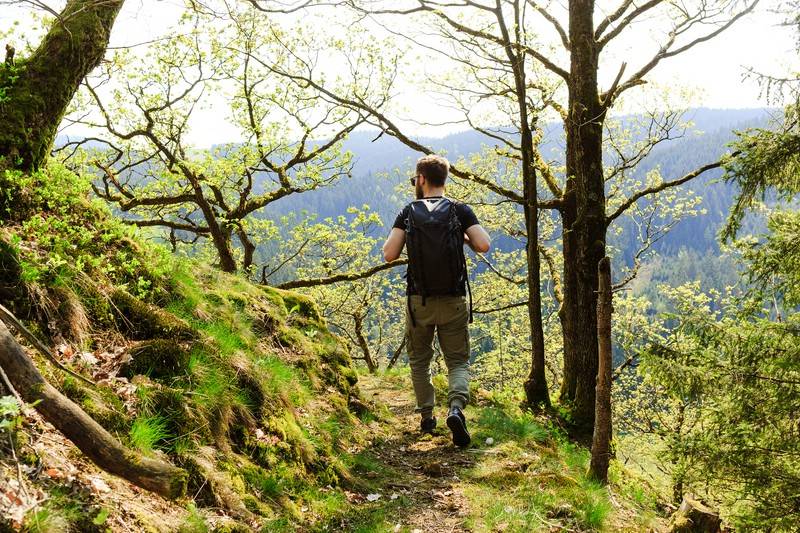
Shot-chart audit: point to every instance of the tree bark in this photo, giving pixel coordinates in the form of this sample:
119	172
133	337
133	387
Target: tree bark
89	436
536	392
568	313
694	517
396	354
249	251
48	79
601	441
220	235
584	227
358	321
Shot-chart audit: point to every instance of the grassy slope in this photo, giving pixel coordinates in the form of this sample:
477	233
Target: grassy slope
246	388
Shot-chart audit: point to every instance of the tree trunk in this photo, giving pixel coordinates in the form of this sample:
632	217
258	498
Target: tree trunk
568	314
601	442
536	392
220	235
249	251
585	234
694	517
89	436
35	103
363	344
396	354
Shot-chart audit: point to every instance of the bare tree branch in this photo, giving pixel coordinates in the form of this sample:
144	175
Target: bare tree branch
665	185
603	40
667	49
350	276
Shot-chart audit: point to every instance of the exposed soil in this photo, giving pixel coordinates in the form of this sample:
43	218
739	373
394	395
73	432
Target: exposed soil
428	467
60	464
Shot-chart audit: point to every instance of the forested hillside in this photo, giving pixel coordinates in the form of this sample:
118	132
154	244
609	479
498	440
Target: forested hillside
247	410
382	163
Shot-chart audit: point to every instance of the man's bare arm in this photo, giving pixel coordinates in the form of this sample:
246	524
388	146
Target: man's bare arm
477	238
393	246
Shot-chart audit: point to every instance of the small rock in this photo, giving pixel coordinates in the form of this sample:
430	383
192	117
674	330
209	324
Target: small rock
99	486
373	497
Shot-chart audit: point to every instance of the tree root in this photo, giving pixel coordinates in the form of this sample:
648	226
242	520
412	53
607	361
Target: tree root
6	315
220	485
95	442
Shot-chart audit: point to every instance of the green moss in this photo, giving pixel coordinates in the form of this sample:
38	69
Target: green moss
302	309
275	298
101	403
256	506
140	321
159	359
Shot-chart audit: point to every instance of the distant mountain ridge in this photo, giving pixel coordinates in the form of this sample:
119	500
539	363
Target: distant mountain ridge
373	181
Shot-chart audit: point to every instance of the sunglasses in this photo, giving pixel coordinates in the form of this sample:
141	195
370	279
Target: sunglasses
413	180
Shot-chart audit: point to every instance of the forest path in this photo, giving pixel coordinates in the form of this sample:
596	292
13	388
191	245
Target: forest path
423	470
520	474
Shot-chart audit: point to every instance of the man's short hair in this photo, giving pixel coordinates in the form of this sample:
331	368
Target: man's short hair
434	168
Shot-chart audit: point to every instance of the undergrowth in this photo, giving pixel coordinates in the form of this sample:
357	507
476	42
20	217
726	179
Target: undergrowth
245	376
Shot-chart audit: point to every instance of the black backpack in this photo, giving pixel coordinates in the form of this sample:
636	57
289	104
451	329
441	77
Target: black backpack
435	245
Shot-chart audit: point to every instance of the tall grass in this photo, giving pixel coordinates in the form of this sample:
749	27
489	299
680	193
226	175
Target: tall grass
147	431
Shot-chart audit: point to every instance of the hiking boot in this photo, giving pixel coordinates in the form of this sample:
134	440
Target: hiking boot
427	425
458	425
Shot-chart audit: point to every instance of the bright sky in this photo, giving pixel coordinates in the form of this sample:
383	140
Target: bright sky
712	70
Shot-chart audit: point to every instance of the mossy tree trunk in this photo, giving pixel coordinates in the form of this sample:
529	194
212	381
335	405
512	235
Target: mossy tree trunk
39	88
363	344
583	217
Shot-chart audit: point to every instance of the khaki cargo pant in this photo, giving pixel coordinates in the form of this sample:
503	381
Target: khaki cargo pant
448	317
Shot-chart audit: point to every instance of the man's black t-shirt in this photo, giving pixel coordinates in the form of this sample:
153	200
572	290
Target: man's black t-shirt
464	213
466	217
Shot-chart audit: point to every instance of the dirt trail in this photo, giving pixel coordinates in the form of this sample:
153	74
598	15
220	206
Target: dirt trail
428	467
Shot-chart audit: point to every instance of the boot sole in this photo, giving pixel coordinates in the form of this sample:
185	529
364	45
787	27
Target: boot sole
461	436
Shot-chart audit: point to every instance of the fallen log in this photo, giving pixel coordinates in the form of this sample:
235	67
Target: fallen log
90	437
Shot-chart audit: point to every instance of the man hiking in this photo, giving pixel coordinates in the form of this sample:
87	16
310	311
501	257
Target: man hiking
434	230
